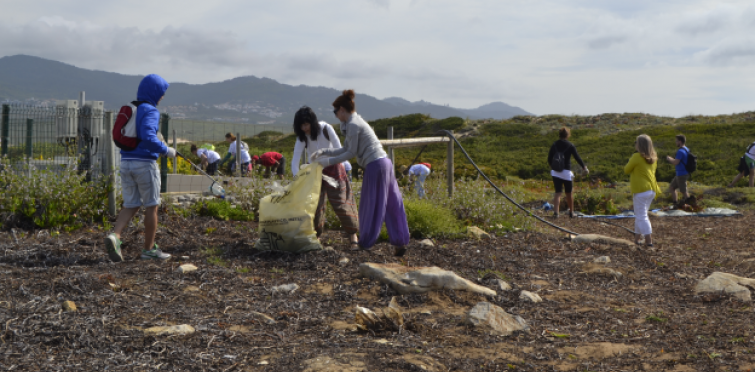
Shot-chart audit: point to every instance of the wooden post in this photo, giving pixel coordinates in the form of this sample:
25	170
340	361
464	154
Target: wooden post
110	159
390	149
238	153
175	158
164	160
450	167
5	130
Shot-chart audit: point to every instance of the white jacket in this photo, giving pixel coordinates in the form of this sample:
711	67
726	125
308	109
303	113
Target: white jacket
320	143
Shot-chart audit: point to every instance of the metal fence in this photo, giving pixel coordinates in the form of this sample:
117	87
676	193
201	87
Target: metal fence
210	131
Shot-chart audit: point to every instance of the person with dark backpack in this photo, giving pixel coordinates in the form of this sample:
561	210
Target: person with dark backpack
684	163
559	159
746	166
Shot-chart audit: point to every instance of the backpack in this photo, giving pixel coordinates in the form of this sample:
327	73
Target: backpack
691	164
558	163
125	135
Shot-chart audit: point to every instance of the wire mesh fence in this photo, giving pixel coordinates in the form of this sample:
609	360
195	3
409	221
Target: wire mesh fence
208	131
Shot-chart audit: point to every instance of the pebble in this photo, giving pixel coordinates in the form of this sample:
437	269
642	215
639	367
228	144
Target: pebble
286	288
186	268
502	285
69	306
426	243
343	261
602	259
531	297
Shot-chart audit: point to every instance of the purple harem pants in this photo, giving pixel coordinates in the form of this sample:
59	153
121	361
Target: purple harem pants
381	201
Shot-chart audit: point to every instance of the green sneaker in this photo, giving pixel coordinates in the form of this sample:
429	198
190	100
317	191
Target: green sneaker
154	254
113	245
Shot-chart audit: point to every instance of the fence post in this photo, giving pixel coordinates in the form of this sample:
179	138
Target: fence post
450	166
110	159
29	133
5	130
175	158
238	153
164	160
390	149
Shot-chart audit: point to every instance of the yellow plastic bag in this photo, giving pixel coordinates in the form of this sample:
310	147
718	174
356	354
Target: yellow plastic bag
287	217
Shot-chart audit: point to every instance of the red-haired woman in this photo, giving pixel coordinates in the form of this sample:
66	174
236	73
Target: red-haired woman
381	199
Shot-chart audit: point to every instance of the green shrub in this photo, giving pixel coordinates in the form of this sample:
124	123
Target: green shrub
221	209
427	220
50	199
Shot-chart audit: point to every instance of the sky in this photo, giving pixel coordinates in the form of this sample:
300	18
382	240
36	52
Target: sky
672	57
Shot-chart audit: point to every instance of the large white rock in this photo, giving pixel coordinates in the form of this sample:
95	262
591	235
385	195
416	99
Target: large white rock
406	280
601	239
183	329
727	283
495	320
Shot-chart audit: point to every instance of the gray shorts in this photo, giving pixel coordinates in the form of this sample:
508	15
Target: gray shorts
140	181
679	183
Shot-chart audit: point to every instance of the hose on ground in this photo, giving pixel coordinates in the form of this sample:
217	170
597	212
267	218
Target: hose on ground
450	135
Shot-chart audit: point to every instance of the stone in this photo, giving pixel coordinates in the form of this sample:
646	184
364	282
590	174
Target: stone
286	288
267	319
346	362
328	249
596	269
426	243
602	259
727	283
529	296
477	233
69	306
344	261
595	238
186	268
386	319
407	280
502	285
183	329
492	319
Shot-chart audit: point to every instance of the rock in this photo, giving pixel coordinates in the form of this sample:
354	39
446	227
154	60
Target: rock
183	329
727	283
69	306
286	288
263	317
594	268
347	362
328	249
426	243
186	268
477	233
406	280
595	238
602	259
502	285
191	288
344	261
531	297
424	363
493	319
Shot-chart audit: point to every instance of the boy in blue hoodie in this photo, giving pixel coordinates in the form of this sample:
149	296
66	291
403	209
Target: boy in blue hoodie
140	175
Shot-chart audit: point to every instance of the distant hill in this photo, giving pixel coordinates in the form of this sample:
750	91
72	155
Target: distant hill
245	99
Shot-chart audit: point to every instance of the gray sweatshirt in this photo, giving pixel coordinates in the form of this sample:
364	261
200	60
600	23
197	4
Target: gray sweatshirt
360	142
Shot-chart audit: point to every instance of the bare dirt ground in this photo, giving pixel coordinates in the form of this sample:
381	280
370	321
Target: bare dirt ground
647	320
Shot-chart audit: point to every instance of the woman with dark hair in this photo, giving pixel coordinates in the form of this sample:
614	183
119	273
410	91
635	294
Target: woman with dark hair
208	159
641	170
381	199
312	136
243	153
559	158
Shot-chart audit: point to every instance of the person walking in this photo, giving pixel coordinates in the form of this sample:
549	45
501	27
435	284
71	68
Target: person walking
679	161
559	158
418	173
641	170
208	159
381	199
273	161
746	166
243	153
314	135
140	175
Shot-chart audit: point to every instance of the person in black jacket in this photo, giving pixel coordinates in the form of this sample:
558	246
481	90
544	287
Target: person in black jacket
559	158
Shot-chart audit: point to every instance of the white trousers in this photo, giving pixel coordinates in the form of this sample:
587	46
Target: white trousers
641	206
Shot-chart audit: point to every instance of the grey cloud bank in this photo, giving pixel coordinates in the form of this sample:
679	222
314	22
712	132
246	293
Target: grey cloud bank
573	56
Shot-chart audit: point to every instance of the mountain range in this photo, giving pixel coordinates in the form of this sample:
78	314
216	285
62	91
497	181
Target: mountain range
243	99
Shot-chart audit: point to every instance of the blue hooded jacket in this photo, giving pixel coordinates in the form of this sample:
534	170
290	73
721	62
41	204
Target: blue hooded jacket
151	89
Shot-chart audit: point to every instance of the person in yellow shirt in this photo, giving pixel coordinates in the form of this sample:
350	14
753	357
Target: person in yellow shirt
641	170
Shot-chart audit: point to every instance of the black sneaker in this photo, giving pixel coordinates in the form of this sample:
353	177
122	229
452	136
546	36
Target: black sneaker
555	214
399	251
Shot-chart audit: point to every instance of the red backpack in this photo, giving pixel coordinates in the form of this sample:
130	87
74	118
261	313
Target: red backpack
124	130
